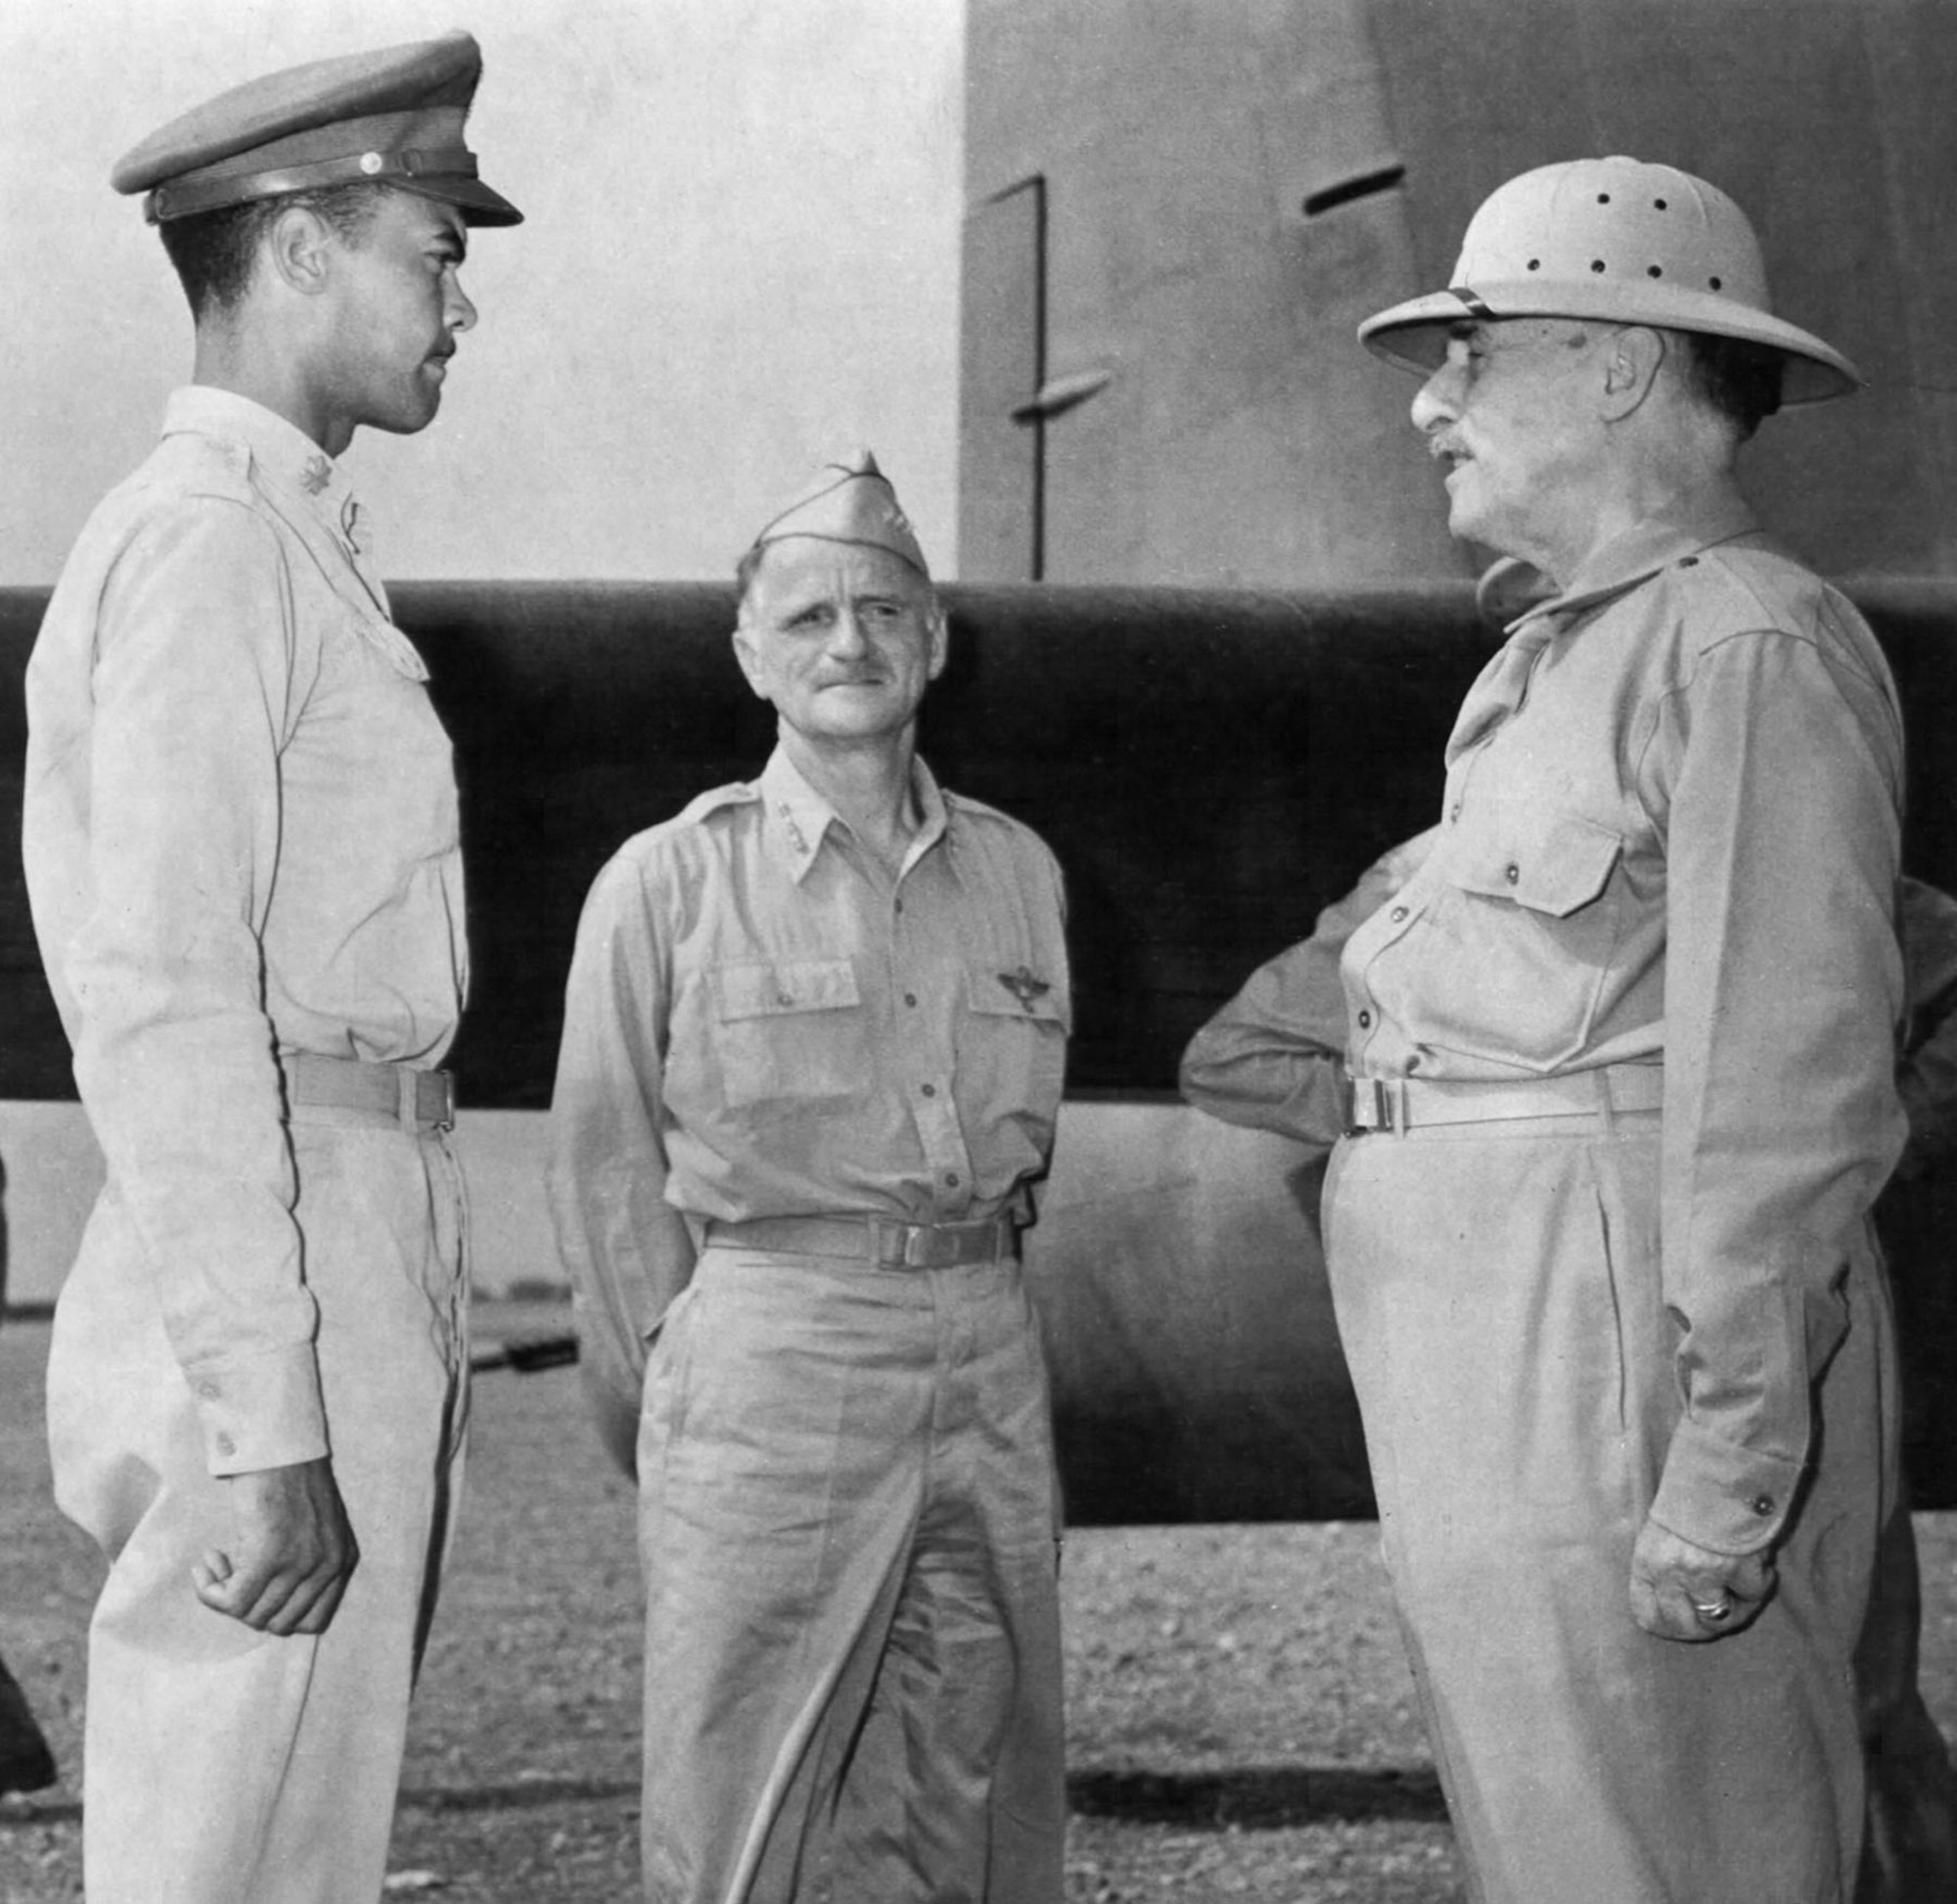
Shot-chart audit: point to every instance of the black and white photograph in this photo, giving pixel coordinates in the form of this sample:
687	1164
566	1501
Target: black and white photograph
979	952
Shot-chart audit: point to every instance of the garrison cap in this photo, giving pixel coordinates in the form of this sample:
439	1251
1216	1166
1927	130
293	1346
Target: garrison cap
393	116
849	502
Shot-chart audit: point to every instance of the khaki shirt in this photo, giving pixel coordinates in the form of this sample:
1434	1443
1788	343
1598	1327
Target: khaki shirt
239	833
1669	833
760	1021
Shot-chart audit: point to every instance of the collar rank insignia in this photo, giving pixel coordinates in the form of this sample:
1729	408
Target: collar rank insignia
316	475
1024	986
795	833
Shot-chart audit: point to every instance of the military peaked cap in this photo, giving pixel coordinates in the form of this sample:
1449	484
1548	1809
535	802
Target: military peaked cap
393	116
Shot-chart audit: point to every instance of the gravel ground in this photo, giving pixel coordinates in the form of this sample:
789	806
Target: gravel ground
1241	1721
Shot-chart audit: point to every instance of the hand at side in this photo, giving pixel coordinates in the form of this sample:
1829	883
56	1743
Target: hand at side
291	1552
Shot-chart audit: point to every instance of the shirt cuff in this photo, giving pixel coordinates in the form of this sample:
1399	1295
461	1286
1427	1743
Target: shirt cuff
1730	1499
263	1411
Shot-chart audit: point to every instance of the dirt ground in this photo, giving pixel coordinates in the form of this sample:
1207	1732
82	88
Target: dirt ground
1241	1722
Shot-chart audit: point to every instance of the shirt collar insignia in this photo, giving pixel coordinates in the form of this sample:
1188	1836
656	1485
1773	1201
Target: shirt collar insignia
316	474
796	838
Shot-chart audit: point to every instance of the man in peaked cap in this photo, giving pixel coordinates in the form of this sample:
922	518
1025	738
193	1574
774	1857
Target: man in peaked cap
241	847
1621	1055
813	1049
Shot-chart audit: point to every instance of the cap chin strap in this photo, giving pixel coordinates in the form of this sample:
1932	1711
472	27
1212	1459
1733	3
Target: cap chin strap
1471	303
185	199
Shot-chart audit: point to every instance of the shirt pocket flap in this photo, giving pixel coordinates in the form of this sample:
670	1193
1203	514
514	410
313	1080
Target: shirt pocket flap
1553	867
764	988
1016	992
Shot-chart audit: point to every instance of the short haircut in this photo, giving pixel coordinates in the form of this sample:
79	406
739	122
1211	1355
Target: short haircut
214	251
1738	381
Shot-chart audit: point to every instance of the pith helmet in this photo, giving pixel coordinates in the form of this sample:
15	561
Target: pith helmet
394	116
850	501
1618	239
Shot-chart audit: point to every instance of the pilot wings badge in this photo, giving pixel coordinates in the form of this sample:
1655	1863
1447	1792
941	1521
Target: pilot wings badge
1025	987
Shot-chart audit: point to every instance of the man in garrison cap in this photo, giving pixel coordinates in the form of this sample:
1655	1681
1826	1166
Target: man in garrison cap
814	1039
1621	1047
239	838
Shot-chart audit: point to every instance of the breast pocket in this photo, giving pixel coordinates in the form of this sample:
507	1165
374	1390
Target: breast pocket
789	1032
1534	929
1013	1039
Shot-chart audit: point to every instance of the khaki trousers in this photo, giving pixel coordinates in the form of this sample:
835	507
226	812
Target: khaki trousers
848	1523
1497	1292
223	1766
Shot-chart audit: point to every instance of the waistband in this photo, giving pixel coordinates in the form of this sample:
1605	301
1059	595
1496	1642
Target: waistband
417	1101
878	1242
1402	1103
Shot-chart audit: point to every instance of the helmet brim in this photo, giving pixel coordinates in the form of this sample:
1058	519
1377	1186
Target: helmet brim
1414	334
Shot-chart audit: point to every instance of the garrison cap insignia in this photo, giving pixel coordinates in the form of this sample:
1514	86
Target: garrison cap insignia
394	116
1025	987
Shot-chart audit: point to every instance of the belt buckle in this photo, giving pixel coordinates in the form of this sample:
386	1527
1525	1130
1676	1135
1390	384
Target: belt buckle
911	1241
1376	1095
410	1085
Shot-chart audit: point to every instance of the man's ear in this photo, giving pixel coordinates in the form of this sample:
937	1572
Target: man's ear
750	658
1631	362
297	248
941	644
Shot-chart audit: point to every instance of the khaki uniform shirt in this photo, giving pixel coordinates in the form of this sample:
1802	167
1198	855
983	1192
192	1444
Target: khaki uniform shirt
240	832
1669	833
761	1022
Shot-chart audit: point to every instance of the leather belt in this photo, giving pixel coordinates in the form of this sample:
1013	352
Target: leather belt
881	1241
397	1093
1402	1103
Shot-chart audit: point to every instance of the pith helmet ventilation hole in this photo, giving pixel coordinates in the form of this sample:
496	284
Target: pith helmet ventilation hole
1652	271
1535	264
1603	197
1714	283
1659	204
1596	264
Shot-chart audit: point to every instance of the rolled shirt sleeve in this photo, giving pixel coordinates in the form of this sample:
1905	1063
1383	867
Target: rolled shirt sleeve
1784	987
174	1051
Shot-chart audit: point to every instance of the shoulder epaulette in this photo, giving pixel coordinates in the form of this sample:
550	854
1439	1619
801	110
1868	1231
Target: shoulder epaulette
717	800
203	466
